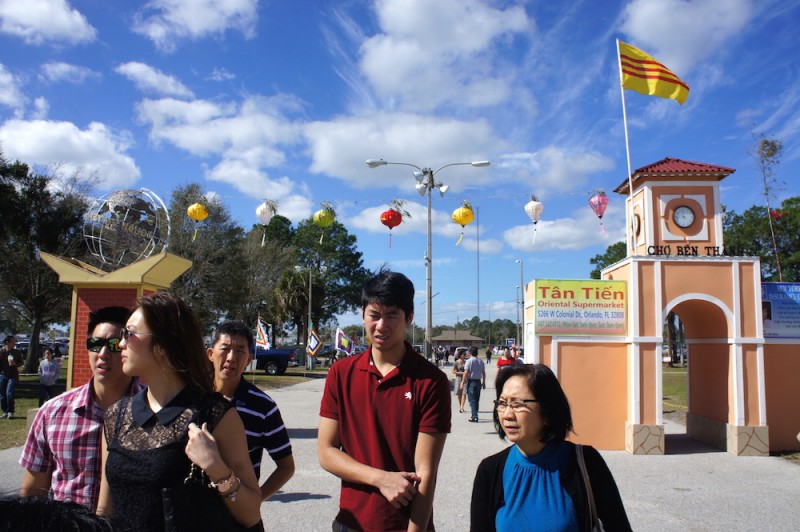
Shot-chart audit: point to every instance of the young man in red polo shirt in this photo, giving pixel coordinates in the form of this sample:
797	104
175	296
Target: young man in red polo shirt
385	415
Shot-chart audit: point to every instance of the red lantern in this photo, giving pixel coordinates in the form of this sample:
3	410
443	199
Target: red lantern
391	219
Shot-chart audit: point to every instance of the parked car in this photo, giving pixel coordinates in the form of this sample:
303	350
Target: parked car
275	361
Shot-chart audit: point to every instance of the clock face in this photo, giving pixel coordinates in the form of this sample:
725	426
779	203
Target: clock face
637	224
683	216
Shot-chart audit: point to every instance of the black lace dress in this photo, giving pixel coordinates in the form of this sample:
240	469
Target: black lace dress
146	452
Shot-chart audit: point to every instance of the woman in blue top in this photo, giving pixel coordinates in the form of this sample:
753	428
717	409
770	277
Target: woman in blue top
536	484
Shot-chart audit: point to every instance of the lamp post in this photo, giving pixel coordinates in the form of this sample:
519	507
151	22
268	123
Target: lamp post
517	305
522	303
426	182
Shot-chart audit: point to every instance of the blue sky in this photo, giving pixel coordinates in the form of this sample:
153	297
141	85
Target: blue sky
286	100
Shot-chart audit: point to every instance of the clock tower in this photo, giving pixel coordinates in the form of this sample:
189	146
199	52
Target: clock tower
741	377
676	208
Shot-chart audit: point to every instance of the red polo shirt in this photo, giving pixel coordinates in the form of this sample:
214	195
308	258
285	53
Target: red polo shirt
379	420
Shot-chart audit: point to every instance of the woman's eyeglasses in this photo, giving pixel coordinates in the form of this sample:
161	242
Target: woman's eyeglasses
518	405
126	333
95	344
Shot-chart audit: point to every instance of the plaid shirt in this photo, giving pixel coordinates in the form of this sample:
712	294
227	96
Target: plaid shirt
65	440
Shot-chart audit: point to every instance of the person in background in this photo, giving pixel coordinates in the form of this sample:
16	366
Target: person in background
505	358
489	355
536	482
475	378
10	362
384	418
152	438
49	370
61	456
458	371
230	353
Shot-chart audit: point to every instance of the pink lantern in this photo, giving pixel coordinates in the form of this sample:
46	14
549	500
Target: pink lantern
598	202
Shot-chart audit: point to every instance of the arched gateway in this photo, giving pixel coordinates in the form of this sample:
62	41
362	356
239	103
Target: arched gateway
742	387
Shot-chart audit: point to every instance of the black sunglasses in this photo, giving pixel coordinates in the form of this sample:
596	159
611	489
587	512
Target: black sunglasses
126	334
95	344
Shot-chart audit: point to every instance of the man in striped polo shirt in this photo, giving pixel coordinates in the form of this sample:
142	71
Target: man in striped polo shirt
231	352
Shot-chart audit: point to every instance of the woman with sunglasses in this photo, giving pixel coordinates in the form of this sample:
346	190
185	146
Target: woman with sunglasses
536	484
153	438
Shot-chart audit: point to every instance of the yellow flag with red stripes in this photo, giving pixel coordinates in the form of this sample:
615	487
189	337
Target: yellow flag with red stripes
642	73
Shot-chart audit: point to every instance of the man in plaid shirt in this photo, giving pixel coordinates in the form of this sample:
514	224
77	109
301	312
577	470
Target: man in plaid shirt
62	453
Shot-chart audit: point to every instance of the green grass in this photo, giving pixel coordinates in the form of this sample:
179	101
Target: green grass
674	389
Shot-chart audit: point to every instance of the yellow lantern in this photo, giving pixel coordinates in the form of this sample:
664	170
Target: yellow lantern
198	213
324	217
463	216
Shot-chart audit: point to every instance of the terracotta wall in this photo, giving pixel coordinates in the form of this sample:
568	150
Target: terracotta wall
708	380
750	385
594	377
782	376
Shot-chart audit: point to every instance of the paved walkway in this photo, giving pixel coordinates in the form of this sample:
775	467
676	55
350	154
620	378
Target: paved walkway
695	487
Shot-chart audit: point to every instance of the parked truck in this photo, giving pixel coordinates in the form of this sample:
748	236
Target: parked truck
275	361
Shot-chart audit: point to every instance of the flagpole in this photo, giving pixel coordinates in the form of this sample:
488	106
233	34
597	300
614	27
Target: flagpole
630	213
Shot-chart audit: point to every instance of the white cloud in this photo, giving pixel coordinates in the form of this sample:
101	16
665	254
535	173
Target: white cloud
166	22
10	93
555	168
59	71
681	33
94	151
448	51
422	140
152	80
254	130
41	107
580	231
488	246
40	21
294	200
221	74
248	138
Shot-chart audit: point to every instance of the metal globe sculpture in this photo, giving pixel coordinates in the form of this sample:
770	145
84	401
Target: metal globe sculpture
126	226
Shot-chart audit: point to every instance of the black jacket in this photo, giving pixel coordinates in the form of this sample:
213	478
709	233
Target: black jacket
488	496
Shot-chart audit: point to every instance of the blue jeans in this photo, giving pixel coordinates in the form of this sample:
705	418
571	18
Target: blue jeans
474	396
7	388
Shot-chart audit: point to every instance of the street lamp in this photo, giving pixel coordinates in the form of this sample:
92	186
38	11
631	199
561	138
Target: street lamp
522	302
517	305
426	182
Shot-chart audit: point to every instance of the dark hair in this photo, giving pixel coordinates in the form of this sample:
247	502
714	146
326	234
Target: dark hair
235	328
553	403
9	338
473	351
389	288
116	315
43	514
176	330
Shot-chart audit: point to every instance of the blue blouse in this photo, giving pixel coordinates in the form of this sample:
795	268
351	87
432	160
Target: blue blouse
534	496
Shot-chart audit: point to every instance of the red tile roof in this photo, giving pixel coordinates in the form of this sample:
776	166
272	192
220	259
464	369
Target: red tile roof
671	167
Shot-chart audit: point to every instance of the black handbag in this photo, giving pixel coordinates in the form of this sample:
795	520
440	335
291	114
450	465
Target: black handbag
194	505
